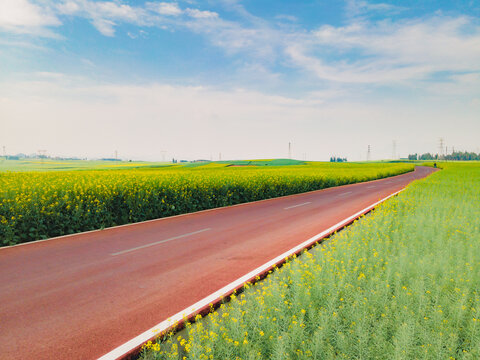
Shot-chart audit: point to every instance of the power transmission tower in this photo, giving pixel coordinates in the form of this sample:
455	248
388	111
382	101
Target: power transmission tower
219	156
163	152
116	154
42	154
441	144
394	150
369	152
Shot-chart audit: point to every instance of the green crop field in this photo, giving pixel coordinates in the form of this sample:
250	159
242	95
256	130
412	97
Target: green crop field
41	204
59	165
401	283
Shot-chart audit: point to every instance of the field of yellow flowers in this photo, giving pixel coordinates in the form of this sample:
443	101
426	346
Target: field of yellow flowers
38	205
401	283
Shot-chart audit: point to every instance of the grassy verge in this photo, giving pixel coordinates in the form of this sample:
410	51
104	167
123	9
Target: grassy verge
38	205
403	283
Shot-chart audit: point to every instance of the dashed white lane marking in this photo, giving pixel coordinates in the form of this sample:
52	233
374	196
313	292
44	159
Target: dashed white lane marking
371	186
294	206
212	298
159	242
344	194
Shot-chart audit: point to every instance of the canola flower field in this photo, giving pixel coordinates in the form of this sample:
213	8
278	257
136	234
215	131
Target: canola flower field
38	205
401	283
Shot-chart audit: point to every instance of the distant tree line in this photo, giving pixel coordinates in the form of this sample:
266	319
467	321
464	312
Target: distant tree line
456	155
337	159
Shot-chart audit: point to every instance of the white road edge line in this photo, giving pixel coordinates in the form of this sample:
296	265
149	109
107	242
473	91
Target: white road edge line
166	324
158	242
348	192
294	206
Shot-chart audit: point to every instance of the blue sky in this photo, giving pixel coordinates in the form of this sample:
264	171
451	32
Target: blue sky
193	79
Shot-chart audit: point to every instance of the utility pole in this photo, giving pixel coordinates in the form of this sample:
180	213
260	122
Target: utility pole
289	150
369	152
4	152
394	150
219	156
116	154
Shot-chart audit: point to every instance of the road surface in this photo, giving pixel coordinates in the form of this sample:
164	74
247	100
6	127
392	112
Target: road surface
80	296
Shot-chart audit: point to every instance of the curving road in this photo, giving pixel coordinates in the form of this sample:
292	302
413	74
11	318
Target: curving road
80	296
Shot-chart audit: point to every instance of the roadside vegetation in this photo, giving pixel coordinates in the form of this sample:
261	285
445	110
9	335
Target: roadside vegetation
37	205
401	283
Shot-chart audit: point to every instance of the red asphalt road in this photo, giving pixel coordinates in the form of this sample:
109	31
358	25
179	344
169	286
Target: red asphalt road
78	297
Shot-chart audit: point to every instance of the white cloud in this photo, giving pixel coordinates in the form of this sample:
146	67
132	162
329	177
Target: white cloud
117	11
438	40
363	9
104	26
105	15
362	52
391	51
88	62
112	10
257	41
361	72
199	14
164	8
41	113
290	18
68	7
22	16
49	75
457	86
